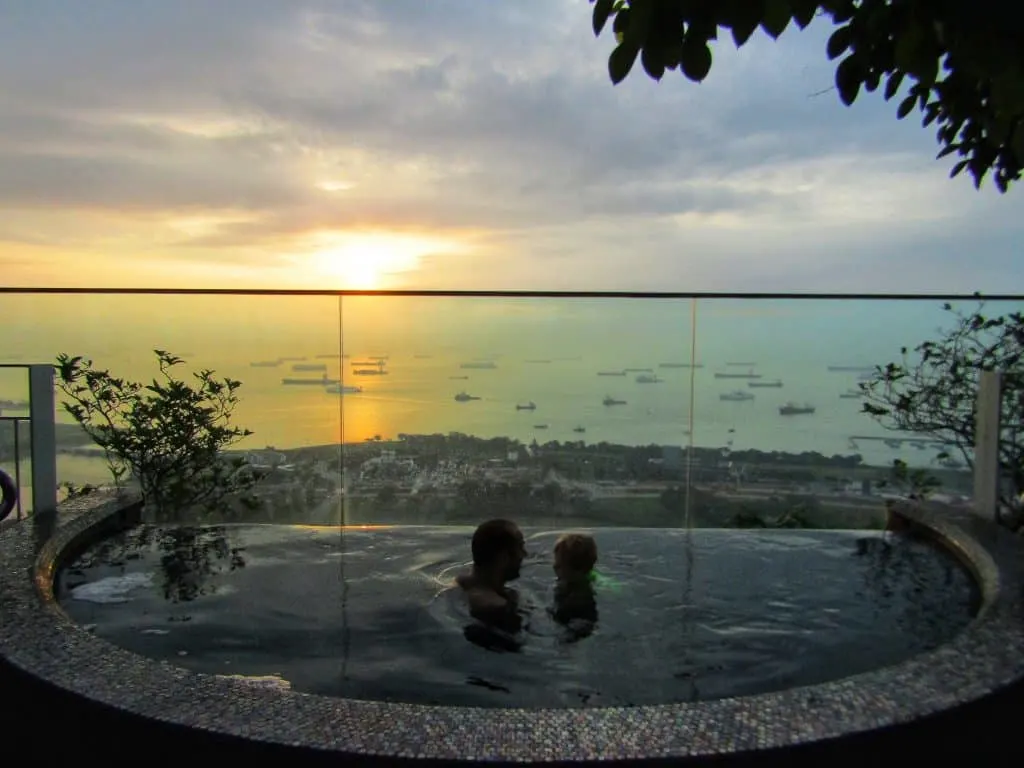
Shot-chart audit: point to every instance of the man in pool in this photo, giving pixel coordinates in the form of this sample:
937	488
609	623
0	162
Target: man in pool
498	551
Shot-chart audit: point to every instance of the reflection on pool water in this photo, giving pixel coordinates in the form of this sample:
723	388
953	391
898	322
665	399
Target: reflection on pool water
366	614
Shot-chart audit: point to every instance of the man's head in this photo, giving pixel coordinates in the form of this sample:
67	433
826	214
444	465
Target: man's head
499	548
575	556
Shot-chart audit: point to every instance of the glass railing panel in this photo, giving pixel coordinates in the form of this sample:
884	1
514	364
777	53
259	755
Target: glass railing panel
261	341
781	421
14	433
555	412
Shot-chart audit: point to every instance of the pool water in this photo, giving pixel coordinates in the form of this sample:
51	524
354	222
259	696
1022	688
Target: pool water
367	614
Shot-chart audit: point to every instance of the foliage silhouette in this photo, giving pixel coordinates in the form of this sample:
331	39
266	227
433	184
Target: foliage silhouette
962	62
932	392
169	436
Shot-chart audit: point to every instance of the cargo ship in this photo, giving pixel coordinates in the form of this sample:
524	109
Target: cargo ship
309	367
776	384
343	389
611	373
323	381
737	396
609	400
647	378
485	365
748	375
462	397
794	409
530	406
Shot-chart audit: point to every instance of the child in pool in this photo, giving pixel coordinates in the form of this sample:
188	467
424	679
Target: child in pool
575	606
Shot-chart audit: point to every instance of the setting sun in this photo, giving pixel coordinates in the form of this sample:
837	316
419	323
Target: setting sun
366	260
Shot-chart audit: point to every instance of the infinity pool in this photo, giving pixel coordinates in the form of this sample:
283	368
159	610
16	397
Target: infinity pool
367	614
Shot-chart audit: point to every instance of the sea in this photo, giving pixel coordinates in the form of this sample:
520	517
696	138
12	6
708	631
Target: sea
544	351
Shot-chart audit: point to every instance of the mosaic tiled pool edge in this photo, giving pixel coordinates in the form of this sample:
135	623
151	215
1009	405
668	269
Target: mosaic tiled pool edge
36	636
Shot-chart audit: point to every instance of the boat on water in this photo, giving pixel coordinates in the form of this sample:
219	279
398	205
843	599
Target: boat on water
680	365
332	356
459	378
530	406
611	373
484	365
648	378
729	375
308	367
265	363
773	383
368	363
795	409
638	370
323	381
579	430
851	368
741	365
343	389
463	397
736	396
850	394
369	372
378	358
14	405
609	400
540	426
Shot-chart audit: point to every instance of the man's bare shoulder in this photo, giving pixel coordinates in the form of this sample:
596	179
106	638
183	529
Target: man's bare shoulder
480	598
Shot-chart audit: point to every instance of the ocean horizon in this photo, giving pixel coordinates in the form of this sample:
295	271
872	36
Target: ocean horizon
545	351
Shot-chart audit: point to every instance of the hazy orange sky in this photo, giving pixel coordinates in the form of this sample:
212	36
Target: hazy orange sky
457	144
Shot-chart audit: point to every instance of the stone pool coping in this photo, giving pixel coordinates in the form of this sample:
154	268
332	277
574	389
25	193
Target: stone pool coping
39	638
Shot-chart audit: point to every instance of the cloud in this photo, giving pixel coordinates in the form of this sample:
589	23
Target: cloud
232	132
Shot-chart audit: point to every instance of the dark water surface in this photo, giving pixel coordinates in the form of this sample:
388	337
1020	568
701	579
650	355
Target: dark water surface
366	613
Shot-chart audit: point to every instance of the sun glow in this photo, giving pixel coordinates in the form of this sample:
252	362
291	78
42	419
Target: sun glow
371	260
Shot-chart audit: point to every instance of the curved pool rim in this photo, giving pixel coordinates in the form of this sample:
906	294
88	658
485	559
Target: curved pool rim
38	638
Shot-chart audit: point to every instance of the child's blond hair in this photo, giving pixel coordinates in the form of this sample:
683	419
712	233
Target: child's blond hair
577	551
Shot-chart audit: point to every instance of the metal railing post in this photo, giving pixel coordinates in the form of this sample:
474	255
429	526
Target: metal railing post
43	431
987	418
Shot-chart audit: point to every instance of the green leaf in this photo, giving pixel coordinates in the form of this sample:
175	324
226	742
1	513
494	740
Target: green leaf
620	62
1017	144
905	108
621	24
848	79
652	61
696	61
744	18
776	18
914	55
957	169
838	43
602	11
893	84
803	11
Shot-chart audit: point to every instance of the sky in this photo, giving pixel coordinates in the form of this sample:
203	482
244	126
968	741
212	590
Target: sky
458	144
